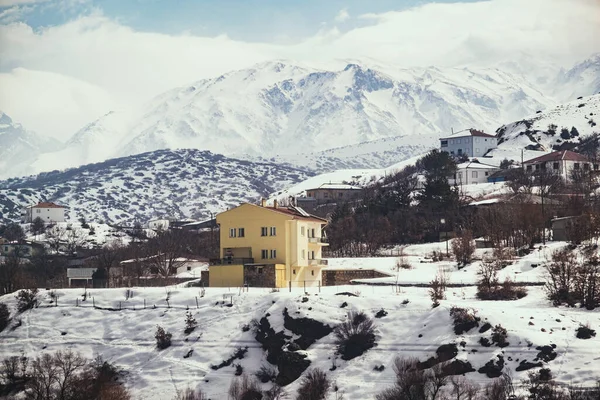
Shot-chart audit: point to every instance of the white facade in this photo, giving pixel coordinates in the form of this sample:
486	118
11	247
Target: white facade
562	163
471	143
48	212
159	224
472	173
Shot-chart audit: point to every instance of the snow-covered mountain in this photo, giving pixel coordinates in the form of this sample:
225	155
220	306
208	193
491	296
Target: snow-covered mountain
19	147
295	112
179	184
565	125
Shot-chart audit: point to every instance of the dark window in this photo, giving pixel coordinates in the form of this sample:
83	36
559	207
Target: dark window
555	165
294	272
529	168
312	273
537	167
576	165
273	253
241	232
263	231
259	270
273	231
544	166
595	166
586	167
444	143
232	232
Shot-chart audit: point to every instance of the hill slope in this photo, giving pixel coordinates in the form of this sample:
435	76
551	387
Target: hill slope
180	183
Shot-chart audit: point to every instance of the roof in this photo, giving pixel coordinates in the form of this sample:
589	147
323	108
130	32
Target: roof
337	186
558	156
296	212
469	132
46	204
475	165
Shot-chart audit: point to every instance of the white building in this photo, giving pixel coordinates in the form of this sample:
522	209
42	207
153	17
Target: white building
47	211
159	224
470	142
562	162
472	172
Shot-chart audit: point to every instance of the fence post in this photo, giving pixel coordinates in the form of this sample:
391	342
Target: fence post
305	286
319	286
144	304
197	302
94	302
119	306
290	285
76	301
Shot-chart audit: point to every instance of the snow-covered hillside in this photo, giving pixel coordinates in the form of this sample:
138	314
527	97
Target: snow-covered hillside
565	124
181	183
121	330
296	112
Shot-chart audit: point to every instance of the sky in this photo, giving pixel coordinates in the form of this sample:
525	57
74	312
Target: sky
65	63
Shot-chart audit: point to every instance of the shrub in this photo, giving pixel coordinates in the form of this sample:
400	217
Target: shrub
27	299
437	289
355	336
464	319
314	386
266	373
275	393
499	335
585	332
413	382
463	248
163	338
190	323
244	388
4	316
489	288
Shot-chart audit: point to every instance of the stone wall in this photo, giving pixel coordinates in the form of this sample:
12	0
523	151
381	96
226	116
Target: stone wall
334	277
259	275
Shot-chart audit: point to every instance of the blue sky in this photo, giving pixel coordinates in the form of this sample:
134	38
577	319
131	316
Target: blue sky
249	20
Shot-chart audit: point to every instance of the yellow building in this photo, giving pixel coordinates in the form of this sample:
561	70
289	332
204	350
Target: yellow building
268	247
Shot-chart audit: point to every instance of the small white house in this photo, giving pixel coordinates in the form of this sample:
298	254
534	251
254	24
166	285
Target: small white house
47	211
562	163
159	224
470	142
472	172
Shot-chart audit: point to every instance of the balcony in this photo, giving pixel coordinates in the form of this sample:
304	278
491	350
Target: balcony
317	263
318	240
231	261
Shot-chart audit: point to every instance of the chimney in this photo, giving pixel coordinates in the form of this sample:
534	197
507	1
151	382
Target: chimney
263	202
275	203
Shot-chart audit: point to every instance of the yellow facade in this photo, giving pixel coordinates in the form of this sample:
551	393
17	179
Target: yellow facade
226	276
252	234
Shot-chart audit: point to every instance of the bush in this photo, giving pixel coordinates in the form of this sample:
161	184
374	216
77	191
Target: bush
27	299
244	388
463	248
163	338
585	332
266	373
437	289
4	316
314	386
489	288
355	336
499	335
190	323
413	382
464	319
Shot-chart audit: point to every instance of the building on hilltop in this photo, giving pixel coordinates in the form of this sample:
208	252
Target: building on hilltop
562	163
329	193
268	247
470	142
49	212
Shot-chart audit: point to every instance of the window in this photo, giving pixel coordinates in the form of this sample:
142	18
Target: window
311	255
263	231
555	166
586	167
595	166
529	168
302	230
543	166
259	270
38	211
273	231
273	253
444	143
576	165
459	152
241	232
537	167
232	232
473	174
312	232
477	151
486	173
264	254
294	271
304	254
457	141
452	152
326	195
312	272
460	175
340	195
189	268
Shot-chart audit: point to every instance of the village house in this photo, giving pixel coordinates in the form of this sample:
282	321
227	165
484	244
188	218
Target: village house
470	142
562	162
22	249
333	193
49	212
472	172
268	247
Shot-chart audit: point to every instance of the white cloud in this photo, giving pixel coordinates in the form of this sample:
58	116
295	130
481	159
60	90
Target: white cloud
342	15
8	3
124	66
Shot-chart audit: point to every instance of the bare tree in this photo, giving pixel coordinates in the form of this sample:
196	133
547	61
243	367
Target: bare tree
108	257
166	252
56	237
463	248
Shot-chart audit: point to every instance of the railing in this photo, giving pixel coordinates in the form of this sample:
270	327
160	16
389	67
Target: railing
231	261
317	262
317	240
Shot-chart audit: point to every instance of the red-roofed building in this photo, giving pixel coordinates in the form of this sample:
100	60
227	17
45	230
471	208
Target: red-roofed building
49	212
470	142
562	162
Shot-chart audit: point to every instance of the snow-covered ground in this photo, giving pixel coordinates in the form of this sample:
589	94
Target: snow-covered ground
125	334
94	235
